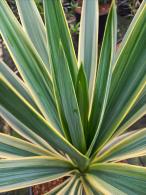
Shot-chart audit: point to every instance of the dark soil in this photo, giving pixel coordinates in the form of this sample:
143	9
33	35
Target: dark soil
43	188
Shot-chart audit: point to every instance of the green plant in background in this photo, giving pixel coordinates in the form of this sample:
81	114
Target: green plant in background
74	28
73	113
128	8
39	4
134	5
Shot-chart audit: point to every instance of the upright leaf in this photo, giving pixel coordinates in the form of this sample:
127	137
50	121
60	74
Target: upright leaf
88	42
82	97
29	64
34	27
128	78
67	102
104	75
58	30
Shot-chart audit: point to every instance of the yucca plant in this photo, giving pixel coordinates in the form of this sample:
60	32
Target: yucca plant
73	114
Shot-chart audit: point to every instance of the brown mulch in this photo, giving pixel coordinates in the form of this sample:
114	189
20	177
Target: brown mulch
46	187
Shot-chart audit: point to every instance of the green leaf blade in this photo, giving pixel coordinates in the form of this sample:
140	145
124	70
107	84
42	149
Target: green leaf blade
34	27
29	64
67	102
129	179
134	145
128	78
33	120
18	84
83	97
58	31
37	170
136	113
88	42
11	147
104	75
